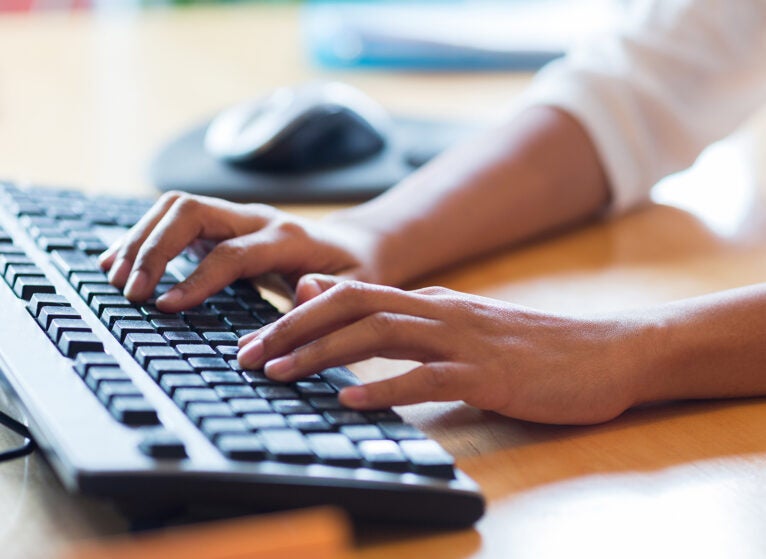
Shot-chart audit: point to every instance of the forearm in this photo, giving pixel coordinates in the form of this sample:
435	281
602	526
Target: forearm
537	173
708	347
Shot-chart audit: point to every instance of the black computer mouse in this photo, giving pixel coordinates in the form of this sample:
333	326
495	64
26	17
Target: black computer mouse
300	129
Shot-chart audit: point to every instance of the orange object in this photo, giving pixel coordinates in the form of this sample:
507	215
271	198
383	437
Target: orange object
319	533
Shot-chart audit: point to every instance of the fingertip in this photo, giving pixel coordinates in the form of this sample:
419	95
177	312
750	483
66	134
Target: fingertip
172	300
355	397
119	272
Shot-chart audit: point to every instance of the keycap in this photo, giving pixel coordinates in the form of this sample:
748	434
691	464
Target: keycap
358	433
261	421
60	325
343	417
108	389
400	431
90	290
208	363
325	403
101	302
216	339
383	455
197	411
68	261
286	407
276	392
195	350
133	410
96	375
216	426
308	422
72	343
47	314
227	391
175	337
146	355
133	341
77	279
314	388
286	444
121	328
162	444
184	396
169	324
159	367
26	286
17	270
429	458
241	447
113	314
40	300
86	360
171	382
339	378
250	405
222	377
334	448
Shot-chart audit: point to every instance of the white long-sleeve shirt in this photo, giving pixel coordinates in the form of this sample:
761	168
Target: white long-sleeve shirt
679	75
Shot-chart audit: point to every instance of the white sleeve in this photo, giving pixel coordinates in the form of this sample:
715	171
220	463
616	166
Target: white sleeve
678	76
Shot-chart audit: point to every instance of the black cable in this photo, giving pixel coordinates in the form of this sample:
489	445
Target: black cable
20	429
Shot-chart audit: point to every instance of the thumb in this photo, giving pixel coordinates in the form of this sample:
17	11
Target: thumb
311	285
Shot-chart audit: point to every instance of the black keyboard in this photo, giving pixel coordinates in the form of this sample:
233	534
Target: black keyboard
153	411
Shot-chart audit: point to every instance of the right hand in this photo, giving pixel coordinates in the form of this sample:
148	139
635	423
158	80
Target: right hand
252	240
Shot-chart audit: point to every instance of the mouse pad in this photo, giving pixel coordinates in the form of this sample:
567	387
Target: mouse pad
184	164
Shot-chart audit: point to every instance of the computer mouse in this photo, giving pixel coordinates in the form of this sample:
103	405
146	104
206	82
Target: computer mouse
300	128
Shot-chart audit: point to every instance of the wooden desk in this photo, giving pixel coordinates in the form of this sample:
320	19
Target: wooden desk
86	100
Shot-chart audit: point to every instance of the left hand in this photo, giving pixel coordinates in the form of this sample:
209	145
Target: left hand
493	355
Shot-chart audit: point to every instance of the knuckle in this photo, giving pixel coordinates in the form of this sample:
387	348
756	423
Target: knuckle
186	204
290	228
231	253
435	290
383	324
435	379
170	197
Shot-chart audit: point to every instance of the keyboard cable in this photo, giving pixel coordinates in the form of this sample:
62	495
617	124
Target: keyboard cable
20	429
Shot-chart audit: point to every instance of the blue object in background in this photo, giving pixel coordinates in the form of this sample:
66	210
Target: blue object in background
457	35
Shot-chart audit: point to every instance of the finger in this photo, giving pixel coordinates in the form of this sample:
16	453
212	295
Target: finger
432	382
188	219
377	335
118	258
341	305
313	285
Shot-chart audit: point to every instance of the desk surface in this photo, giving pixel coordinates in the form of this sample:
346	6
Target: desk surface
86	100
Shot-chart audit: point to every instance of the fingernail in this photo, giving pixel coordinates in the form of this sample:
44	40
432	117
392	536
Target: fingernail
354	396
249	355
279	367
171	297
136	285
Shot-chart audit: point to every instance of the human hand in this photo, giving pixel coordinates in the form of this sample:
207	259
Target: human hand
493	355
252	239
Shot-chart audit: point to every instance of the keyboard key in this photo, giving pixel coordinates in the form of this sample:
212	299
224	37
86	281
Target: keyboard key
383	455
287	407
400	431
310	422
334	448
86	360
99	303
188	351
134	411
314	388
164	325
90	290
342	417
197	411
276	392
96	375
216	426
250	405
69	261
216	339
208	363
48	314
242	447
175	337
169	383
40	300
14	271
227	391
162	444
72	343
339	378
362	432
77	279
108	389
27	286
146	355
134	341
286	444
121	328
159	367
428	458
60	325
222	377
184	396
325	403
113	314
259	421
